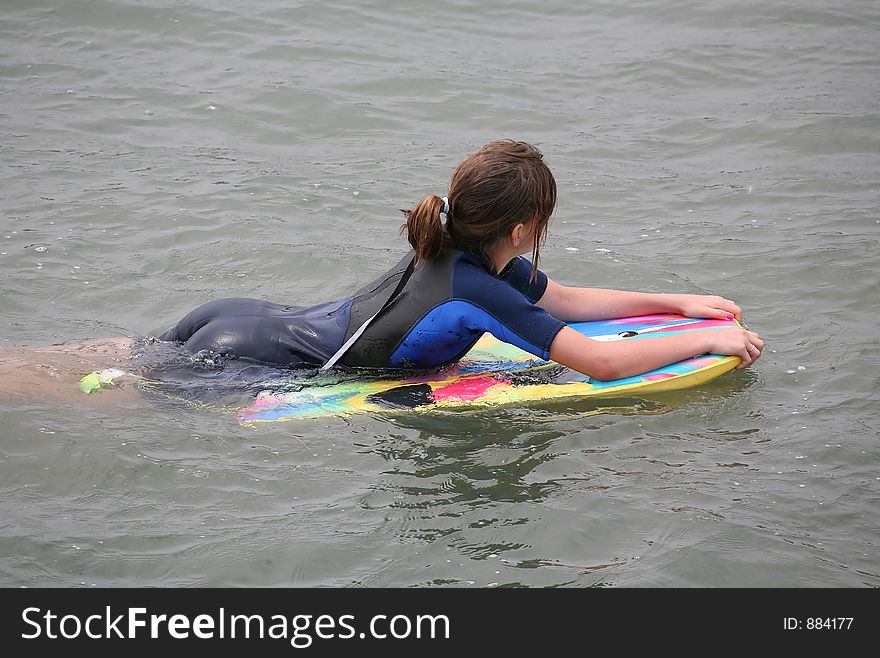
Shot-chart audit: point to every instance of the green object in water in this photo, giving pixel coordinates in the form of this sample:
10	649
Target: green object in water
98	379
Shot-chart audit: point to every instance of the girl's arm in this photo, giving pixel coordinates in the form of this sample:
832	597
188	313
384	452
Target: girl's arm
606	361
588	304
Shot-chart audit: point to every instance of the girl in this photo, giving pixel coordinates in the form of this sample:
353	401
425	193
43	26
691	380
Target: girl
466	276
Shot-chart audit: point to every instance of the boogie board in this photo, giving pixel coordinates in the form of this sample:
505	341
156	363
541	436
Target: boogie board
496	373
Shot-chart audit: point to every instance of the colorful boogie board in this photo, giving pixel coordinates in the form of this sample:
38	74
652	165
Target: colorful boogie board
495	373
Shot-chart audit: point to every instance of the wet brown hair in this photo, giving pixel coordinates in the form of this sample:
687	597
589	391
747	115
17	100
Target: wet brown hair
503	184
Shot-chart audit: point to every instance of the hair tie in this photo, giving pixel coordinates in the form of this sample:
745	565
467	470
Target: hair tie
445	210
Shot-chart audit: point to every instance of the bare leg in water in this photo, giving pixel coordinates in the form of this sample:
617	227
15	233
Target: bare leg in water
52	373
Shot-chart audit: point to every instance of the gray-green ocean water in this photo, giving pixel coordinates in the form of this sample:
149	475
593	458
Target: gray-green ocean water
156	154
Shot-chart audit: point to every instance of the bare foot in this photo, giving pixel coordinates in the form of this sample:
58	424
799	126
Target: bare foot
54	372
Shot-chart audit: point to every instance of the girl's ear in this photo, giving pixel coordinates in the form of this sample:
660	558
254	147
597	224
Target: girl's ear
517	234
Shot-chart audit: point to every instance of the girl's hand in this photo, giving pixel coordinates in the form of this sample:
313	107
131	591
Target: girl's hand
706	306
736	341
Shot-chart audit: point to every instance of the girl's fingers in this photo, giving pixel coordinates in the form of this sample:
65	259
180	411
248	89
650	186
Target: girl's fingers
724	309
750	354
732	308
716	313
756	340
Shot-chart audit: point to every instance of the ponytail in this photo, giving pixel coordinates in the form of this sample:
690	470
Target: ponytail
424	230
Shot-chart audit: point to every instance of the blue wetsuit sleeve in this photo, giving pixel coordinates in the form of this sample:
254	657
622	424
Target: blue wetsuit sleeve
517	274
505	312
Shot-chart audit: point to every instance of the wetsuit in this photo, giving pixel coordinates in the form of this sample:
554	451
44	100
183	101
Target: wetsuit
443	309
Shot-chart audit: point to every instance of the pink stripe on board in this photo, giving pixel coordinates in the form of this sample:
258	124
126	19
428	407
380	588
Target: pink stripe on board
466	390
657	376
266	399
700	361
